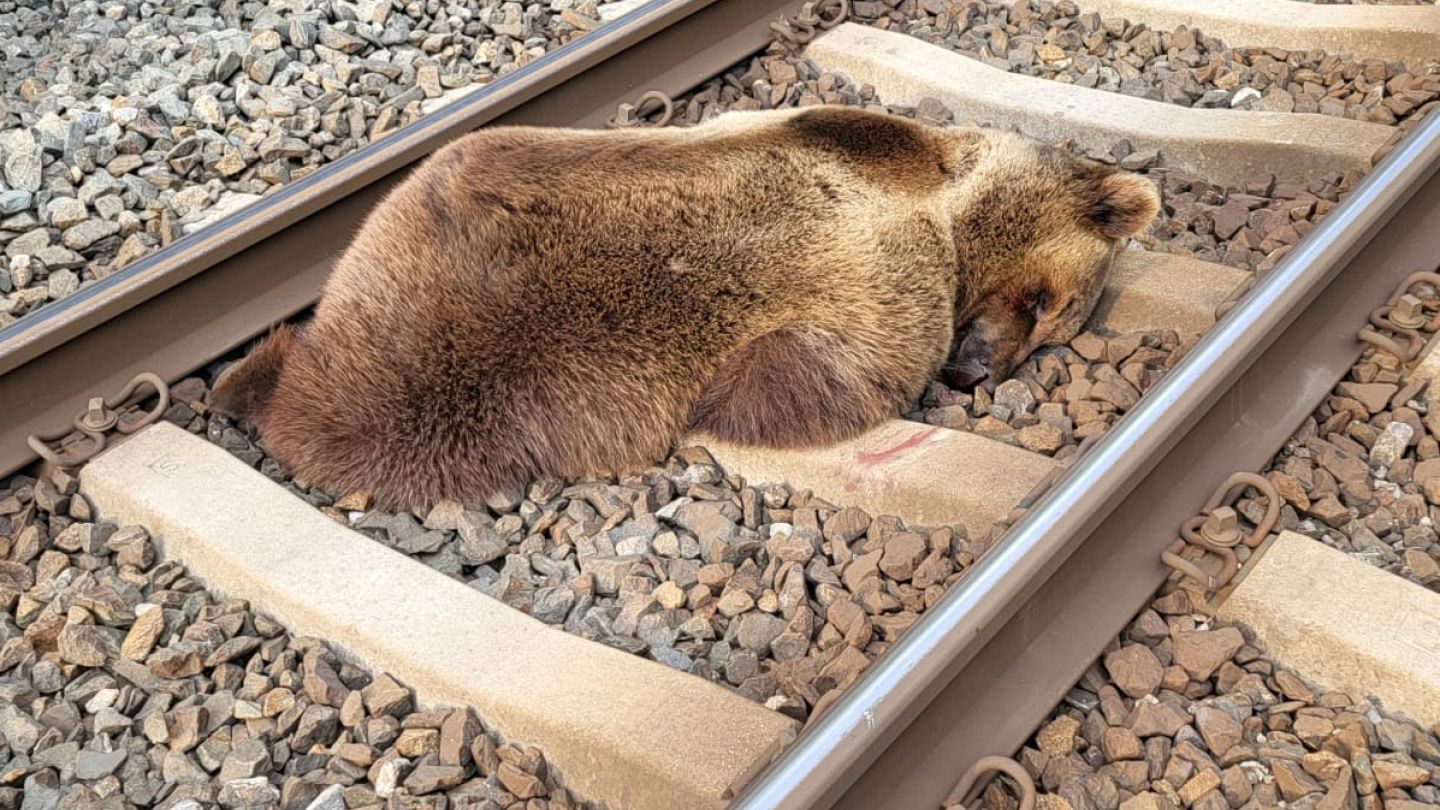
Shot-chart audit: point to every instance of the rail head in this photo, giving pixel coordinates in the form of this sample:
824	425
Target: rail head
835	751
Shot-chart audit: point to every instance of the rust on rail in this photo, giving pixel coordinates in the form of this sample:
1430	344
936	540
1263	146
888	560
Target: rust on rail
972	782
89	432
812	19
1216	530
1403	314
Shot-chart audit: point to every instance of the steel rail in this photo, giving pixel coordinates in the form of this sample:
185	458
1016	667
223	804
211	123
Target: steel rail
207	293
981	669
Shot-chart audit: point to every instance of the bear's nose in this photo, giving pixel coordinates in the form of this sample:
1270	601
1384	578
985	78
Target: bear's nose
969	373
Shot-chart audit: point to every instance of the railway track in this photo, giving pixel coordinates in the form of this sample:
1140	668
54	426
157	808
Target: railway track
919	646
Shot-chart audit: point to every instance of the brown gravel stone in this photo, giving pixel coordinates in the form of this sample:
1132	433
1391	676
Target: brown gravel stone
1374	396
320	680
1235	786
847	525
1292	781
353	502
1041	438
1148	800
1089	345
1331	511
1118	744
387	697
1135	669
415	743
1324	765
1201	652
903	552
86	645
523	785
1220	730
1294	687
851	621
1422	566
150	623
1392	775
430	778
1312	729
1152	718
1057	738
175	662
860	569
1202	783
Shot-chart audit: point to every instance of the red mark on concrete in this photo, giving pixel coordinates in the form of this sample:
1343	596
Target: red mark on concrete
899	450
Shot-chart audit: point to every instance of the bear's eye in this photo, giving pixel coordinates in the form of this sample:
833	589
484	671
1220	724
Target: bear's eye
1040	303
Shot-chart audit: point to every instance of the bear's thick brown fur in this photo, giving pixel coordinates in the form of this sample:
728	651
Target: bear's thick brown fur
534	301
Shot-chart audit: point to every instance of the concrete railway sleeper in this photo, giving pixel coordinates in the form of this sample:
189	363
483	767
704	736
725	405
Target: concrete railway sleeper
805	648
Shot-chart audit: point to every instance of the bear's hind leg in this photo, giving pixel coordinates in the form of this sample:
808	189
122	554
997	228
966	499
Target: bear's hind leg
795	386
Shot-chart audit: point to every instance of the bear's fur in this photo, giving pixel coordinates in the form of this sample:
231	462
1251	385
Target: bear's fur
545	301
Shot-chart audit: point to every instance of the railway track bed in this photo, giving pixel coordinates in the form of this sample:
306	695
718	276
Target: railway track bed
782	579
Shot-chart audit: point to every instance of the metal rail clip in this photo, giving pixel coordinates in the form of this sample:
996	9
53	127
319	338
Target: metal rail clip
1216	530
1403	314
634	115
803	28
89	433
968	788
814	16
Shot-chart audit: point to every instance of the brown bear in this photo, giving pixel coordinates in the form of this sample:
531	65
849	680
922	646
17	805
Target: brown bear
546	301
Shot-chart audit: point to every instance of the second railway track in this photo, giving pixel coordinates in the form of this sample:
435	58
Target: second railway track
902	649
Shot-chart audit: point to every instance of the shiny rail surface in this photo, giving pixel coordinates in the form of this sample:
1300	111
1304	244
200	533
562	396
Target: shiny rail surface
196	299
981	669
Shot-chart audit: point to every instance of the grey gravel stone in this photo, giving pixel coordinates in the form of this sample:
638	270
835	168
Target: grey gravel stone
14	200
61	284
331	798
97	765
87	233
22	161
252	792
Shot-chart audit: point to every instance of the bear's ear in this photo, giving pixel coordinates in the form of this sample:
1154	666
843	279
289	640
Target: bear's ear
1122	204
244	387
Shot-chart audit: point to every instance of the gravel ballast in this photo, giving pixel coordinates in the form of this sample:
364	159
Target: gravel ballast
125	126
124	683
1055	40
1182	712
1362	474
1060	396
